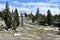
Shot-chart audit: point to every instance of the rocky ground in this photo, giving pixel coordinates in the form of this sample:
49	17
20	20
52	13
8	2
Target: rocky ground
44	37
30	32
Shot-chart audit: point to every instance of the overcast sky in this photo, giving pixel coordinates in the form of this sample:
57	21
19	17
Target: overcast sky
31	5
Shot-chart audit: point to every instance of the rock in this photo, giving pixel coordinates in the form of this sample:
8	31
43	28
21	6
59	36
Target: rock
4	30
57	39
18	30
1	29
16	34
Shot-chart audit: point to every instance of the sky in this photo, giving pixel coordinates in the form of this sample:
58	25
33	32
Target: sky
32	5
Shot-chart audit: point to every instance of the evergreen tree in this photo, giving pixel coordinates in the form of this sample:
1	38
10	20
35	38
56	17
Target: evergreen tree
25	14
33	19
15	19
37	14
0	14
44	19
7	16
16	16
49	18
31	15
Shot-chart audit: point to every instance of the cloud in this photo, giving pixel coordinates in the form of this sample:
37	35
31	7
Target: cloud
3	0
36	3
43	6
32	6
53	10
20	9
2	7
54	1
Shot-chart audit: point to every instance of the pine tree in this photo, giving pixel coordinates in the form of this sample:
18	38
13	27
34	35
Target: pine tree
25	14
33	19
16	16
49	18
37	14
31	15
7	16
